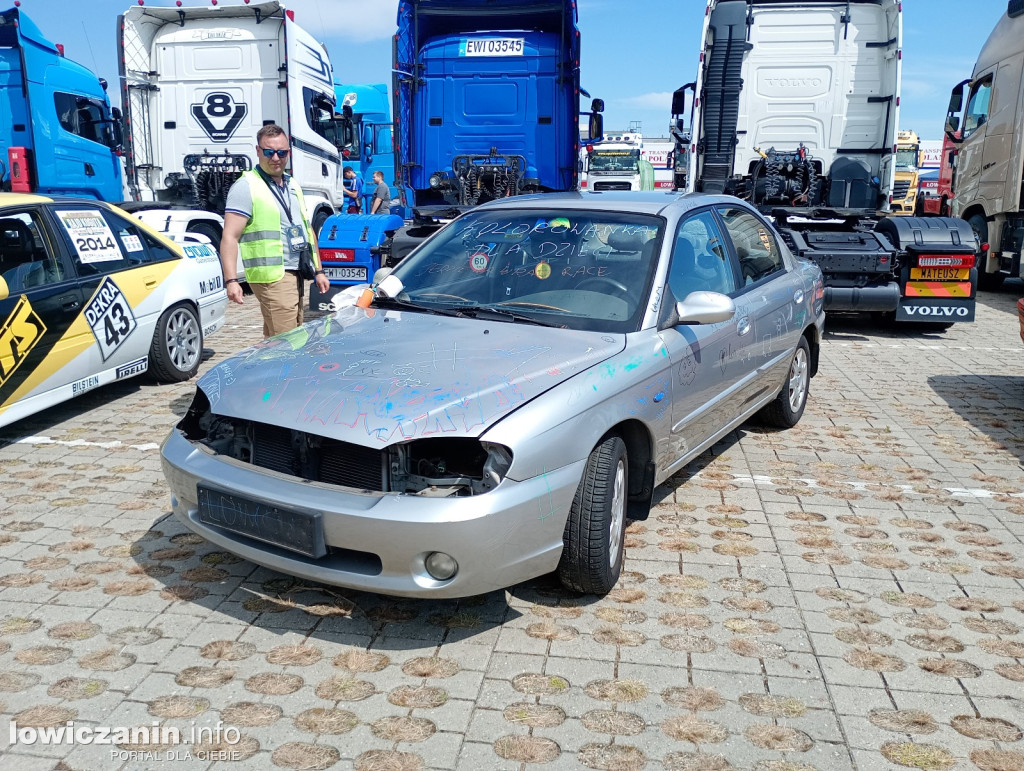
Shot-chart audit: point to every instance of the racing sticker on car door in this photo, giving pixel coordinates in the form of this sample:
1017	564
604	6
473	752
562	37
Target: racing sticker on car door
110	317
90	235
18	335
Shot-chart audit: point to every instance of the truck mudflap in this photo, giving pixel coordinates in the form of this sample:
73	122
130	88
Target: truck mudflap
937	275
352	248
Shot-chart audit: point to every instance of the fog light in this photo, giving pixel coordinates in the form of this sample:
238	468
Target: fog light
441	566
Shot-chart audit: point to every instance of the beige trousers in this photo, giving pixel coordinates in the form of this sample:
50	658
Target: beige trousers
280	303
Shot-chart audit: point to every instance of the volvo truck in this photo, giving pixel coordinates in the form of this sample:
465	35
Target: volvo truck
795	109
986	125
617	163
197	83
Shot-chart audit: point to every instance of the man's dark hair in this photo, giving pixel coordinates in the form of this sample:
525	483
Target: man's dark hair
269	131
347	169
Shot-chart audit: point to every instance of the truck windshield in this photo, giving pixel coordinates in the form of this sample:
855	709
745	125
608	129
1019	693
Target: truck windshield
585	270
615	160
907	158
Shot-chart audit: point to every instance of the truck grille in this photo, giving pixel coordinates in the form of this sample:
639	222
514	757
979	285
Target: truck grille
598	186
900	190
318	459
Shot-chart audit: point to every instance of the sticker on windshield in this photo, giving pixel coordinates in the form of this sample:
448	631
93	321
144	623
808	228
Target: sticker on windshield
560	222
765	239
542	271
110	317
132	243
90	235
492	46
478	262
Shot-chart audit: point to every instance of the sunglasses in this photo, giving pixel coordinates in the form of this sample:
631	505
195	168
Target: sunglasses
268	153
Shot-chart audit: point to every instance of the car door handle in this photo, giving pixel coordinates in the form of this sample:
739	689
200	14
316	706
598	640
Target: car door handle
89	171
70	303
743	326
150	282
988	166
798	296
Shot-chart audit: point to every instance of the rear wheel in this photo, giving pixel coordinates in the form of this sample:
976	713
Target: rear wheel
987	281
209	230
177	346
595	531
788	407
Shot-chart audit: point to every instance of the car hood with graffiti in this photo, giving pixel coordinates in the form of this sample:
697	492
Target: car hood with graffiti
375	377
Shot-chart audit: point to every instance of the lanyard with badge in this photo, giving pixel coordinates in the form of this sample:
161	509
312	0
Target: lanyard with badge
296	233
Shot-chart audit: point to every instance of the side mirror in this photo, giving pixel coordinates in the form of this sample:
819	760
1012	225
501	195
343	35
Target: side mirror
595	130
956	100
597	105
5	291
705	308
679	98
366	140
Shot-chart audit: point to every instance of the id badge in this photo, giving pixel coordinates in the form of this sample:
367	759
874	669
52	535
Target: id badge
297	237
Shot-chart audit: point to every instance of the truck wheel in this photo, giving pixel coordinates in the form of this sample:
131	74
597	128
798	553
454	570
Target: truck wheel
318	222
209	230
788	407
595	531
177	345
986	281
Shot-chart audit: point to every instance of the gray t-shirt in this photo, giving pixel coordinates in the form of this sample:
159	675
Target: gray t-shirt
383	192
239	201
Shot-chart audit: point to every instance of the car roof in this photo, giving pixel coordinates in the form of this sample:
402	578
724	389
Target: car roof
20	199
640	202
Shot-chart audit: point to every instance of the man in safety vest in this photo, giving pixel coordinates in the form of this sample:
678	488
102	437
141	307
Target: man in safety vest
265	222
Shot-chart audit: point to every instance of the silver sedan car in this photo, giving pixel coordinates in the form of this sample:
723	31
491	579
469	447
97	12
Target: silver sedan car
496	407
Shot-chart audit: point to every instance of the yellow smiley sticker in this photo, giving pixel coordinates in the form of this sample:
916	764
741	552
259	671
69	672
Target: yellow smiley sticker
560	222
542	271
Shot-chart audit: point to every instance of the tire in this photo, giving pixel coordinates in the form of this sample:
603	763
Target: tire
209	230
595	531
986	281
177	346
788	407
318	222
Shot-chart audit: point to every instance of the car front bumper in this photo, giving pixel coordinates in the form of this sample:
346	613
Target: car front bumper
378	541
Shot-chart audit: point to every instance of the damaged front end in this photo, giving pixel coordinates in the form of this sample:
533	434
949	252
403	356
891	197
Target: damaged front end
432	467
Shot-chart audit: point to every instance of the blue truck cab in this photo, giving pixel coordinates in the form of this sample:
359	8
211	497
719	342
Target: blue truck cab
364	134
58	134
487	100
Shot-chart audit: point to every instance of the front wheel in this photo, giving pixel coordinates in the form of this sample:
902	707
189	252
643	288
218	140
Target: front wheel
595	531
986	281
788	407
177	345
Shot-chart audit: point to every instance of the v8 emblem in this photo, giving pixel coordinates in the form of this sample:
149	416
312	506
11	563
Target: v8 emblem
219	115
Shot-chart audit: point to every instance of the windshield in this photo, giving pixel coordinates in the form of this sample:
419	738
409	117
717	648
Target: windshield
579	269
906	158
615	160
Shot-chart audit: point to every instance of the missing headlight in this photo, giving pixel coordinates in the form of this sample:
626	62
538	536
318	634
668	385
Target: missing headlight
448	467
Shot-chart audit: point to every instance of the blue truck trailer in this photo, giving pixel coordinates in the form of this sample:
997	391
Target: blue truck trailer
487	105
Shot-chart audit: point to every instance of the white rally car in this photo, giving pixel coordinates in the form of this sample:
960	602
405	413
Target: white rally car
90	295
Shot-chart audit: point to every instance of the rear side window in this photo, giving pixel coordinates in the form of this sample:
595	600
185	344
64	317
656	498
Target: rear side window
101	242
756	248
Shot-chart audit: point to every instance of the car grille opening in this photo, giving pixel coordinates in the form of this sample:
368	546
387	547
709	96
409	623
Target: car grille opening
900	189
307	456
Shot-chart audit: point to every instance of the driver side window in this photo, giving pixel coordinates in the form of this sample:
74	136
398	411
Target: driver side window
977	107
699	259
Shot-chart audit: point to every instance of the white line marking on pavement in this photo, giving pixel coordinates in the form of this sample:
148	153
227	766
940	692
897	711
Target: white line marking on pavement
766	481
44	440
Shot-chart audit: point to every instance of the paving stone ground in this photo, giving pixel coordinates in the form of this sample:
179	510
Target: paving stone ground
843	595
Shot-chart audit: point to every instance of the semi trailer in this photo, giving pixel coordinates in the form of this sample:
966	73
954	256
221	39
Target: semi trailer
795	109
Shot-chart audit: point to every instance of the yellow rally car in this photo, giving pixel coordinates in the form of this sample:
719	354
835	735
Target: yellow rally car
90	295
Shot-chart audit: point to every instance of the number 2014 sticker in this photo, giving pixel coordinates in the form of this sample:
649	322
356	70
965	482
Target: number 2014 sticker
90	235
110	317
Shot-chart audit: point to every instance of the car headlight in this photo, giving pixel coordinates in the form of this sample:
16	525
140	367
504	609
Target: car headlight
448	467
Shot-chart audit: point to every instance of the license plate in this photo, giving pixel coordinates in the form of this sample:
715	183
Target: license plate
292	529
494	46
346	274
940	274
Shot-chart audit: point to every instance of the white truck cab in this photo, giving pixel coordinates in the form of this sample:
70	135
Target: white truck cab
615	163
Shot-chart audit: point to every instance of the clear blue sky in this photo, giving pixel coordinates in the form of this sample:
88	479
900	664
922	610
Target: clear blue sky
635	52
